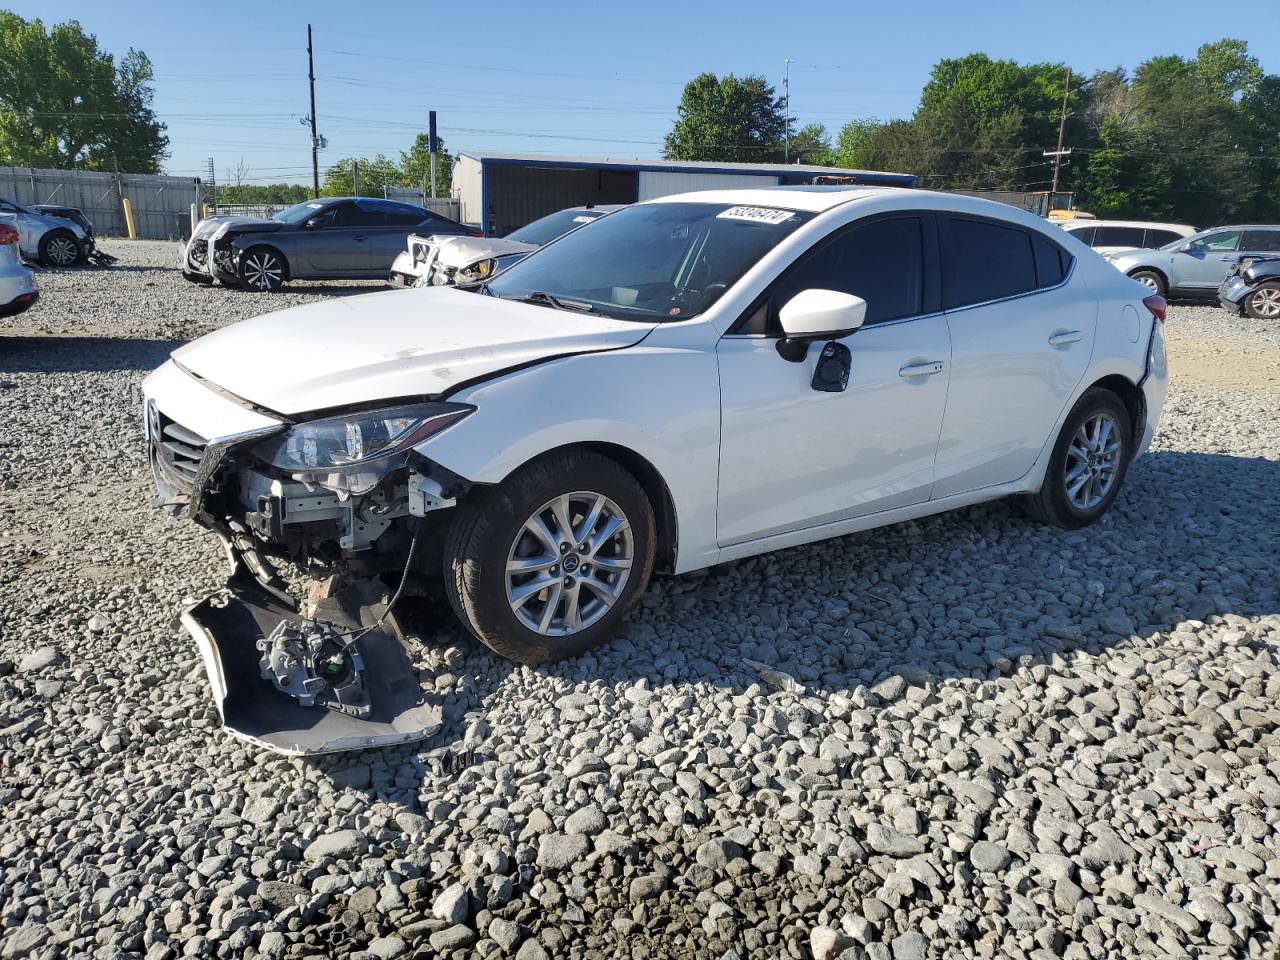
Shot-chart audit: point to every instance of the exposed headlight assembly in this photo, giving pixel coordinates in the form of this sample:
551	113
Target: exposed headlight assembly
351	453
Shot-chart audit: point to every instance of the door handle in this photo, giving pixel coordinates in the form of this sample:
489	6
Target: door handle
926	369
360	239
1064	337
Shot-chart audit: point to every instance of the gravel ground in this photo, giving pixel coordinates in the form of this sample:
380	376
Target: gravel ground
964	736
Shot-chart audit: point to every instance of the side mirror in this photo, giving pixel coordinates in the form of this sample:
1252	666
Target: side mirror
1186	248
817	315
312	223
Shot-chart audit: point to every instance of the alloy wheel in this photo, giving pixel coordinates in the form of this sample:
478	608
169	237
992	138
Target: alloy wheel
263	271
569	563
1148	281
63	251
1093	461
1266	302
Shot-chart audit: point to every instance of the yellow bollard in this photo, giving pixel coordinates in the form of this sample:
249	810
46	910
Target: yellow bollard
206	210
128	218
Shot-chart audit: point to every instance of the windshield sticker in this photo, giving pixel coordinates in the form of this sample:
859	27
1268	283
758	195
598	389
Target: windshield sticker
583	219
756	215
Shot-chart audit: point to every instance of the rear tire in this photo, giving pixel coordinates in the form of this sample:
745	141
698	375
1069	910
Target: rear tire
1264	302
592	579
60	248
1088	464
1151	279
263	270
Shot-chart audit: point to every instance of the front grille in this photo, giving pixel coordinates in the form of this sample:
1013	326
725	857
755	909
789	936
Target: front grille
177	450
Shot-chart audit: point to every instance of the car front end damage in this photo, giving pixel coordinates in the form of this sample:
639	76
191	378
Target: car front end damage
211	254
347	500
439	261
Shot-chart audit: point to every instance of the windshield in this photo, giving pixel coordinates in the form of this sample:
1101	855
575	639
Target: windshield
299	212
654	261
553	225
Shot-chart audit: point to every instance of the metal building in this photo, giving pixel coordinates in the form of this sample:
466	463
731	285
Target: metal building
503	191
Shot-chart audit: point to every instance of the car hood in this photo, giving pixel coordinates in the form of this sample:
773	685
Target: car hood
391	345
221	224
464	251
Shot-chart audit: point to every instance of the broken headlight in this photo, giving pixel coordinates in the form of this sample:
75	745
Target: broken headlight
353	440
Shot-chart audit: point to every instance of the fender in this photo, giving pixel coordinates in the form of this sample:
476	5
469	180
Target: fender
659	399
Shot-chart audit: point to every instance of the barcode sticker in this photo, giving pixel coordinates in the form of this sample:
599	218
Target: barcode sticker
757	215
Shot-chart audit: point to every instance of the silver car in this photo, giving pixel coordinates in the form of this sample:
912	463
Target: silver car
327	239
1197	265
53	241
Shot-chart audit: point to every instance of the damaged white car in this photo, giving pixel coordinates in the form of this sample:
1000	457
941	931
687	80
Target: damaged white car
449	261
692	380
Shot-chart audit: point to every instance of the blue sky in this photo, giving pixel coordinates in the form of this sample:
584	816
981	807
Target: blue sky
598	79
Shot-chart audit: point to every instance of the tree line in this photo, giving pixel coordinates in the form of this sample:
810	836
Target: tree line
1194	140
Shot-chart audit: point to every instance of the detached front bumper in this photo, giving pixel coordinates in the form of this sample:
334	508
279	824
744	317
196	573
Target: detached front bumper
226	628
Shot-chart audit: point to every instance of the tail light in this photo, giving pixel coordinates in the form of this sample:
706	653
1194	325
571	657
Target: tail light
475	233
1157	305
8	234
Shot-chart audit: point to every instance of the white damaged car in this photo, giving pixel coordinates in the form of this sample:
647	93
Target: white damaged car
448	261
693	380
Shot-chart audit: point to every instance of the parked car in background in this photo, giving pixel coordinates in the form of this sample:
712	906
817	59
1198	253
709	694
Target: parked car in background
689	381
445	261
1253	289
17	286
347	238
1121	236
52	241
1196	266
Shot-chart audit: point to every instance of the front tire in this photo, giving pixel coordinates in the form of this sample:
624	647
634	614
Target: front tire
1088	463
60	248
1152	280
548	563
1264	302
262	269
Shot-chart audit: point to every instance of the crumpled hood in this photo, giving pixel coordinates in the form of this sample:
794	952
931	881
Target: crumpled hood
464	251
399	343
220	224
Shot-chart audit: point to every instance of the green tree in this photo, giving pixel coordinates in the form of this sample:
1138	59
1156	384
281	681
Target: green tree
854	143
415	165
728	119
374	175
65	103
811	144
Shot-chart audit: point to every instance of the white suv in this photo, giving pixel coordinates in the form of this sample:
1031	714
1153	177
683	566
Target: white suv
693	380
1120	236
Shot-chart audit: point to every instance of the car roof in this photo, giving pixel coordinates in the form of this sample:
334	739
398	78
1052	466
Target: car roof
1142	224
810	199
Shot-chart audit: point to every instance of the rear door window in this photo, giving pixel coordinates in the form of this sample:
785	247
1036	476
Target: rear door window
985	261
1261	241
1118	237
1084	235
1051	262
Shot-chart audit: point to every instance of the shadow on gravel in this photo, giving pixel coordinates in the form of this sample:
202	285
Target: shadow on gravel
56	354
967	595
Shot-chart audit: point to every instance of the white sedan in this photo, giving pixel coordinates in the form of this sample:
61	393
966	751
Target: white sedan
693	380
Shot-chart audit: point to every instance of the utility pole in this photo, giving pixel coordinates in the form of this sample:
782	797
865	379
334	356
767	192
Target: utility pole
431	148
1062	128
315	141
355	178
213	187
786	96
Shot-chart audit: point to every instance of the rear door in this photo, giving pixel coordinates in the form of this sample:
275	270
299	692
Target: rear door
388	237
1260	243
1021	338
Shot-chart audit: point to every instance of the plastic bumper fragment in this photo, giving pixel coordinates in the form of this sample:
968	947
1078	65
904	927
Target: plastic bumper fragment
226	627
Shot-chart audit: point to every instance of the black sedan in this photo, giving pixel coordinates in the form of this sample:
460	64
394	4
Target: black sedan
1253	289
339	238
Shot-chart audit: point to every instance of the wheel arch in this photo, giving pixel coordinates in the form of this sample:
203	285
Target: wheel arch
650	480
1131	395
247	248
1156	270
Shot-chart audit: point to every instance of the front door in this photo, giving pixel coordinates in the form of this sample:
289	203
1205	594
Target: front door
1207	261
337	242
1021	339
792	457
